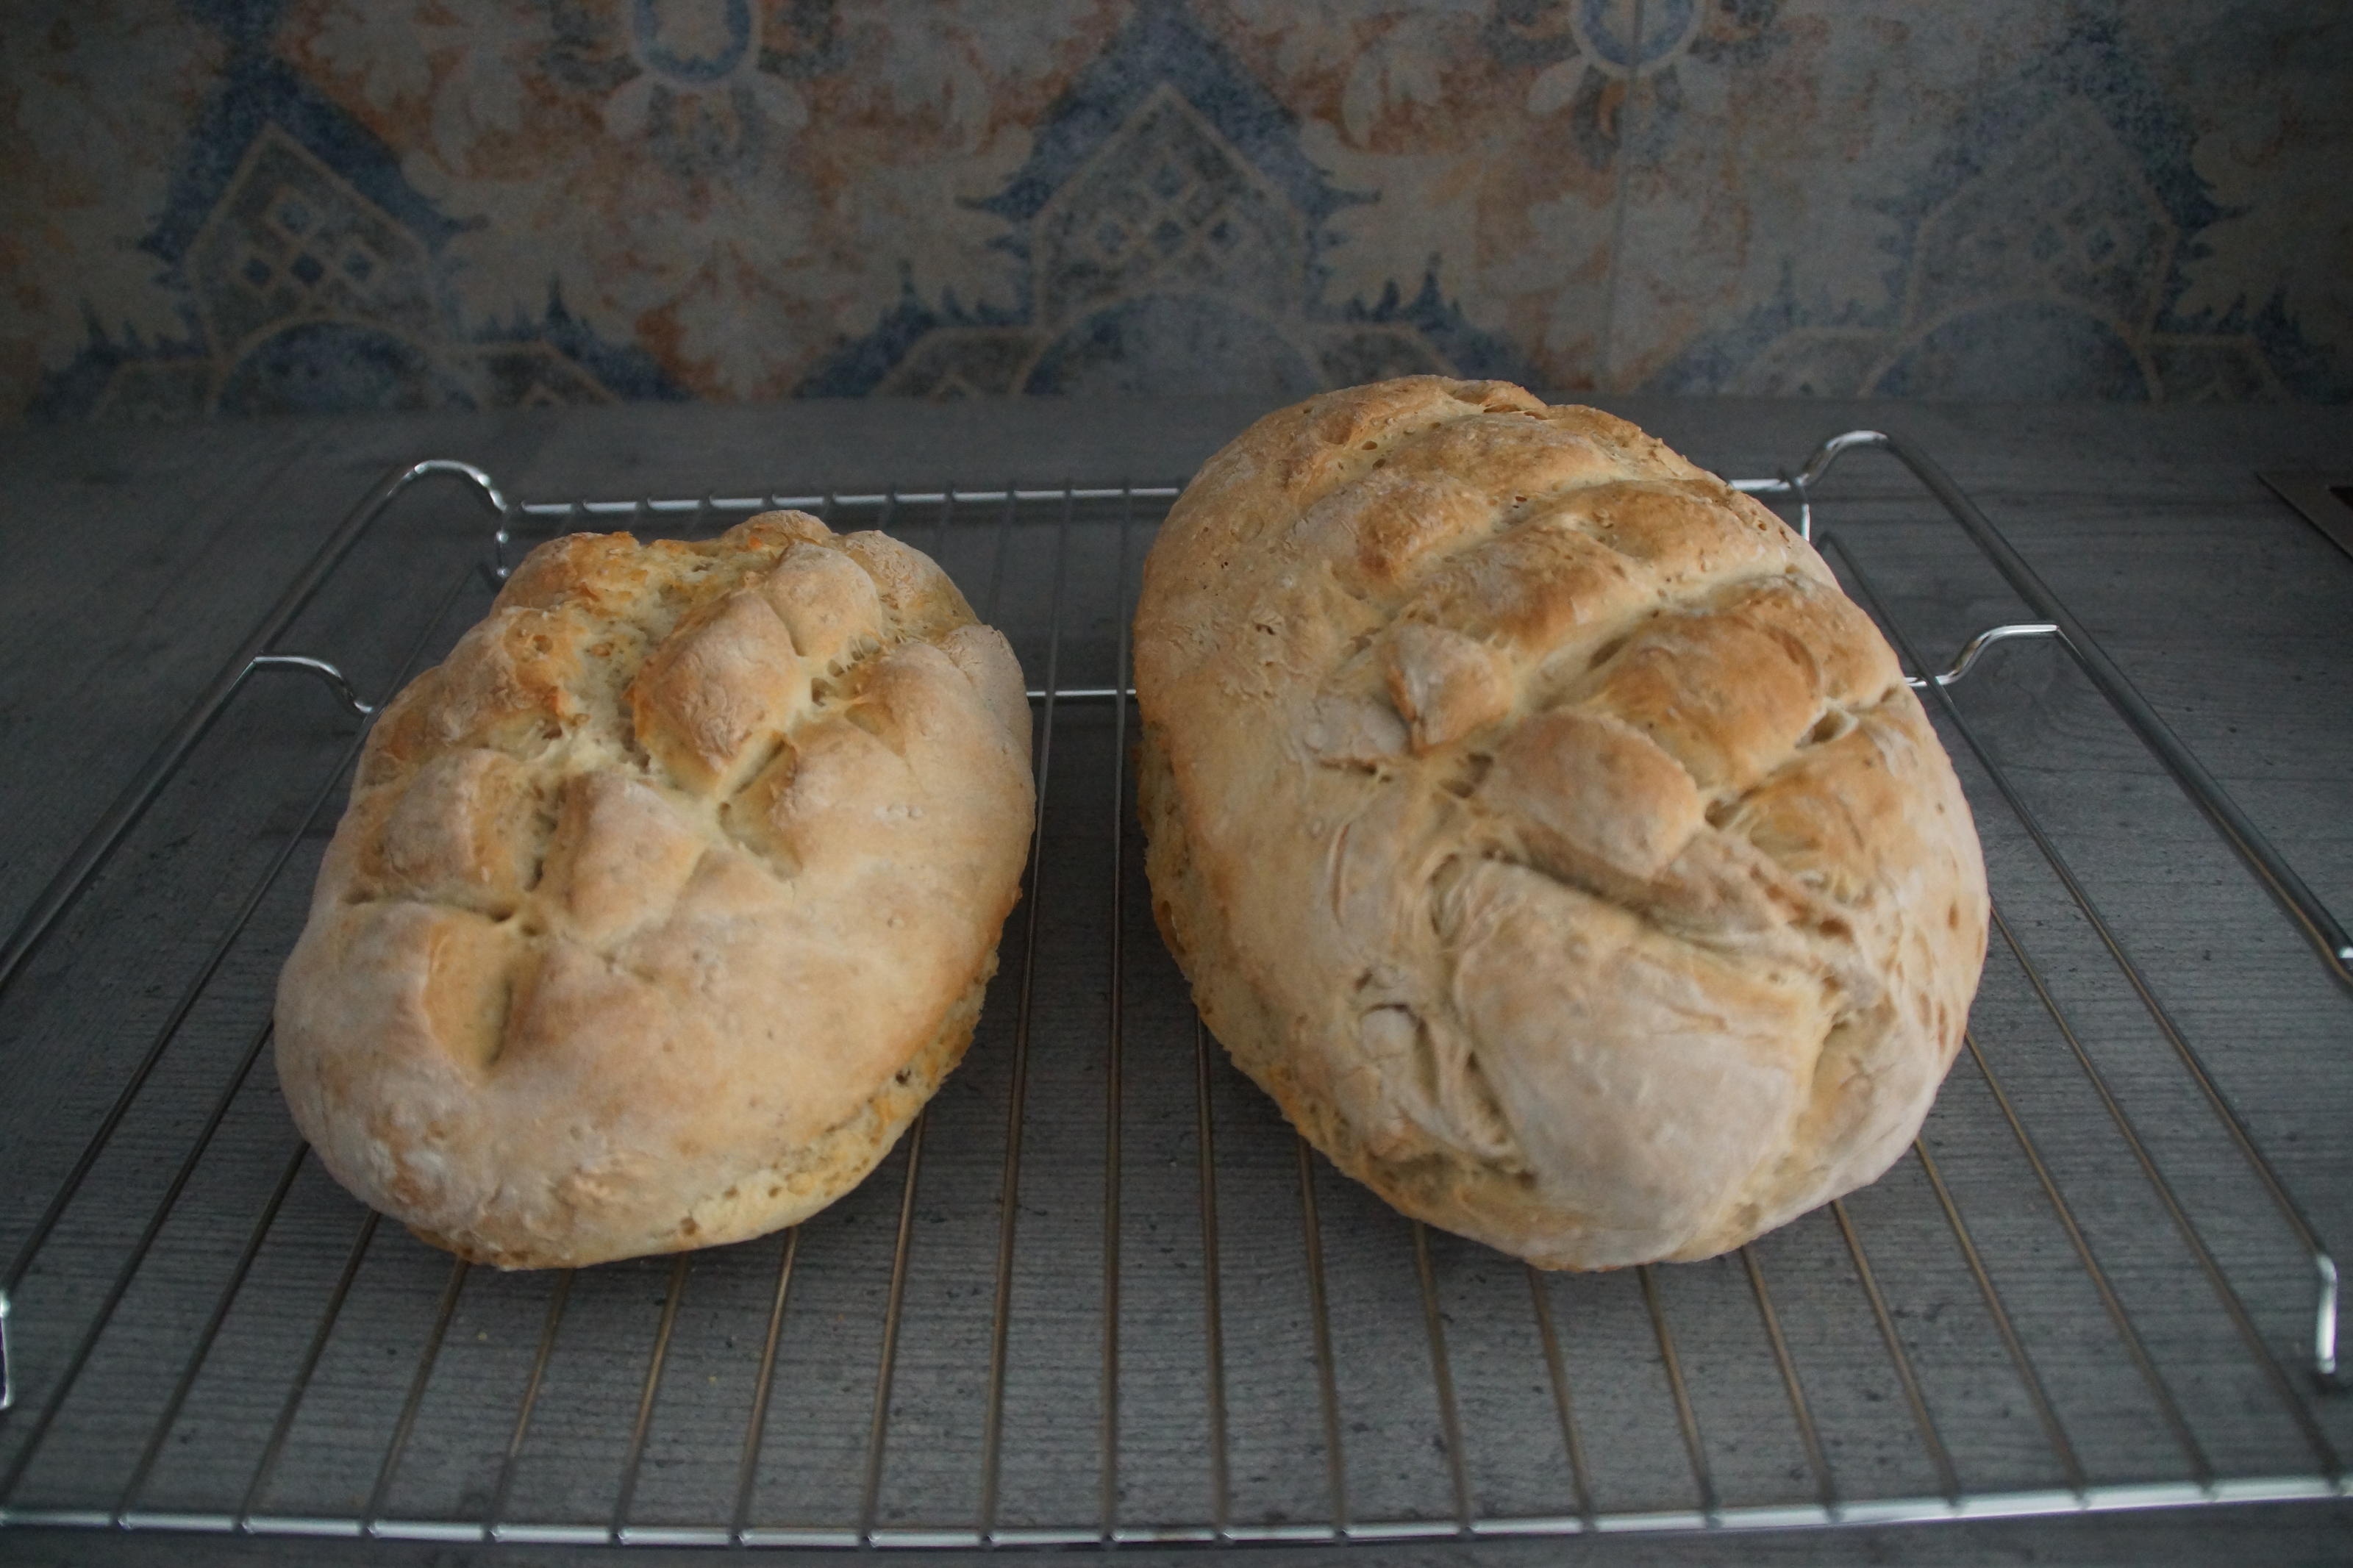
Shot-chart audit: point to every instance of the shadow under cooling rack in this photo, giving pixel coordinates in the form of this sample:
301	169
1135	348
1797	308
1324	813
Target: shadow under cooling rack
1101	1293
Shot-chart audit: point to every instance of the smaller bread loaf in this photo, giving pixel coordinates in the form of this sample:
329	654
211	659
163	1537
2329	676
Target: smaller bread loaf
1539	823
664	903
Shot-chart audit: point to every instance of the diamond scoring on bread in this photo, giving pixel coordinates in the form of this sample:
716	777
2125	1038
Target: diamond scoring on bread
1539	823
666	901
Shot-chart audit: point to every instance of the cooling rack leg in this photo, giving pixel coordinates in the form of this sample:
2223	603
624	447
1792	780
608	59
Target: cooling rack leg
2324	1331
1975	650
328	675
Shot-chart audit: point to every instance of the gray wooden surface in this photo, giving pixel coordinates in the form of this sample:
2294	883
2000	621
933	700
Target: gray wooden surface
137	558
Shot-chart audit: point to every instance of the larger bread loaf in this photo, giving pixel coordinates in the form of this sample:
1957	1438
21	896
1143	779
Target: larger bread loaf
664	903
1543	828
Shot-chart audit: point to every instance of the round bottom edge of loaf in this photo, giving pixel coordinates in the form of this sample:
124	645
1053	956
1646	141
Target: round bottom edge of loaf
769	1200
1463	1198
1460	1198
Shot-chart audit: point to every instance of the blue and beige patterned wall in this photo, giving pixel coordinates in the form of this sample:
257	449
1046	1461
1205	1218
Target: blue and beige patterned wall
254	205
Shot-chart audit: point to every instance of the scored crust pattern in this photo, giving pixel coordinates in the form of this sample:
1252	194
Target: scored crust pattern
665	901
1539	823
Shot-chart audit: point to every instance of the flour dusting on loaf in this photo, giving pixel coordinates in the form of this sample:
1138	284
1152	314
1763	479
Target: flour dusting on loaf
1539	823
663	904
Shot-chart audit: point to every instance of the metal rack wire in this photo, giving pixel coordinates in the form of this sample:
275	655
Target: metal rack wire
1101	1294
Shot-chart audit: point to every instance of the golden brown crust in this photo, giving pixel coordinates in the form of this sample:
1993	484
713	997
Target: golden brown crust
664	903
1543	828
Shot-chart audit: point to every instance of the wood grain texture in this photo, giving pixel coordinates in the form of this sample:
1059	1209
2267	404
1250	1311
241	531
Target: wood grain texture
2229	611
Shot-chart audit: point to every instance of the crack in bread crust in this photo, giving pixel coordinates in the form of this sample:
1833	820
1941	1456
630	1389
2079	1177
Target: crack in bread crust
662	904
1500	766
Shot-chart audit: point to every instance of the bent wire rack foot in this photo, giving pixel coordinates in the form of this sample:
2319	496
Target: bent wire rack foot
1101	1293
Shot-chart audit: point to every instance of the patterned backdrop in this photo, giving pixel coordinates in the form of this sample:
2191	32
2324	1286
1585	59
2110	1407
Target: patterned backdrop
257	206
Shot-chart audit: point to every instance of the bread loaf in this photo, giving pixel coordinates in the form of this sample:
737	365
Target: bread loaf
664	903
1539	823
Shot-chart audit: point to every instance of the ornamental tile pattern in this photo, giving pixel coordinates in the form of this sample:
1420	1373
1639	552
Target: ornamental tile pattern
226	207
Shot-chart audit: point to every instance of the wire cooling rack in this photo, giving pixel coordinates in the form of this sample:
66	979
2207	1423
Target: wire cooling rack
1101	1293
